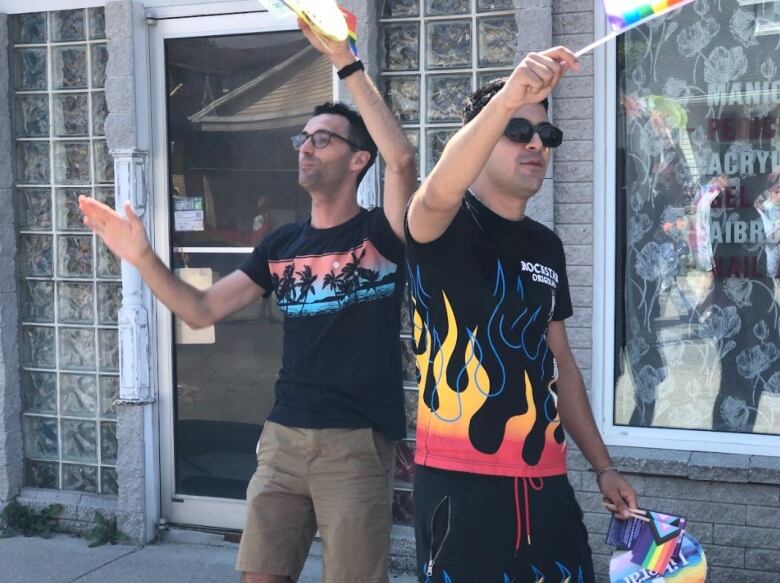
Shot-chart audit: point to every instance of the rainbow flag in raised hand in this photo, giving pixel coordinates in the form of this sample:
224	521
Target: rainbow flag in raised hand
624	13
352	26
627	14
326	18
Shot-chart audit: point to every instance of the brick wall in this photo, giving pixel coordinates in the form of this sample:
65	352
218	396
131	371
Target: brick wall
572	22
732	503
534	19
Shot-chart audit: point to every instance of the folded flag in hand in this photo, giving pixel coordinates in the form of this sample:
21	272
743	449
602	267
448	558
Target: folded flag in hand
659	541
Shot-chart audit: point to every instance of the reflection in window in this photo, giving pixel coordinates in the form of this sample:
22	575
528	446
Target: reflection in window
234	102
698	260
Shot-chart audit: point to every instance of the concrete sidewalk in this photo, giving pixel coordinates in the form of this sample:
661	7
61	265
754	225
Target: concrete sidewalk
184	558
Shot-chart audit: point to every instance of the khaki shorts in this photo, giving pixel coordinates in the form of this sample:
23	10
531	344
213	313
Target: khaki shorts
337	480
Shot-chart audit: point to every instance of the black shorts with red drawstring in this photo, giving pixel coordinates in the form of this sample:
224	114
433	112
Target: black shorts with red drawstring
490	529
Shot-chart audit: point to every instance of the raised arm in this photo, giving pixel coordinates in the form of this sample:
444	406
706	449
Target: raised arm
577	419
126	237
396	151
437	201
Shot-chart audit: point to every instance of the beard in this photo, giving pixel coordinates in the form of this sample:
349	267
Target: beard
310	175
314	174
309	178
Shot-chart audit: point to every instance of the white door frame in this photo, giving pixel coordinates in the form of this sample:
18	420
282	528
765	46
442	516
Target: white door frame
184	509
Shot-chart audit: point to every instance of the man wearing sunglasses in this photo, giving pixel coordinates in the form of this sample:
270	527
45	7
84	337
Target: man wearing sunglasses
497	379
326	453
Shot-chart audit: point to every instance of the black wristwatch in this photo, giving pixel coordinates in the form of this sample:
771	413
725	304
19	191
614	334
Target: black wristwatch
345	72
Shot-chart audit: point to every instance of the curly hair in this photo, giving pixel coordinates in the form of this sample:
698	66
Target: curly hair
475	102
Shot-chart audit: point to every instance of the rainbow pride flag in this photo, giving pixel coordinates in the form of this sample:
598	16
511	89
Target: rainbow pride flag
659	541
624	15
628	13
352	26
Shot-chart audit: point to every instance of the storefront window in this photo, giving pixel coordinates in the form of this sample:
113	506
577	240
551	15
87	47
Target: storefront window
69	283
698	198
434	53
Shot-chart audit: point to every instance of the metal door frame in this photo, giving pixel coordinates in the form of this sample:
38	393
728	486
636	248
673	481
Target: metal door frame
177	508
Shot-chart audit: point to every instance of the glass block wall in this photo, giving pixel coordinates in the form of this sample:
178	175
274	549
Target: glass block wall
69	283
434	54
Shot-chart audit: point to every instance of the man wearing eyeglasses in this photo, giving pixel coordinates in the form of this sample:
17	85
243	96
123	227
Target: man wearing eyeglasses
326	454
498	382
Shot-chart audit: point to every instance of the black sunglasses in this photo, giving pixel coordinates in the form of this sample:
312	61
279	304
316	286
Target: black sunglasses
319	139
522	131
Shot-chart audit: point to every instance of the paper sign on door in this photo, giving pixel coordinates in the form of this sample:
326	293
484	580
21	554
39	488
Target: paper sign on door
188	214
200	278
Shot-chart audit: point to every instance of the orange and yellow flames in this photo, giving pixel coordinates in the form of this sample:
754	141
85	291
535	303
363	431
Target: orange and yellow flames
455	409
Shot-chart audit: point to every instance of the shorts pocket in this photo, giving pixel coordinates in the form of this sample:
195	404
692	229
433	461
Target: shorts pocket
382	449
260	440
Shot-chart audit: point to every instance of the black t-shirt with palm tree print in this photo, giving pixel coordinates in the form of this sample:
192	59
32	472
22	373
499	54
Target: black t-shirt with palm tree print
340	292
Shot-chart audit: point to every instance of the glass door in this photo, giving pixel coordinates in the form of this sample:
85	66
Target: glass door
229	94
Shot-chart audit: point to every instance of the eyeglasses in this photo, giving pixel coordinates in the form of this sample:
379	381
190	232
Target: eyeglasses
319	139
522	131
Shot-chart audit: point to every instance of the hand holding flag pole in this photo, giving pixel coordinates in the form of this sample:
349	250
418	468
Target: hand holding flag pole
623	15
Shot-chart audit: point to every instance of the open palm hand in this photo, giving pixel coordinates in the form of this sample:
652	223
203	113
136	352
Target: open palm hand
125	236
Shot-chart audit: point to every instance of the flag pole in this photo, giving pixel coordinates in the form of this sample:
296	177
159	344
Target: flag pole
602	41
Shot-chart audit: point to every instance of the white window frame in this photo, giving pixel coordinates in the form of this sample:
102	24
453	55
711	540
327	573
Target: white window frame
604	279
163	8
17	7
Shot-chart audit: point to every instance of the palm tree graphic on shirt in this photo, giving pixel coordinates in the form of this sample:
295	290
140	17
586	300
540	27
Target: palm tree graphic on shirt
285	286
335	282
358	275
306	284
351	276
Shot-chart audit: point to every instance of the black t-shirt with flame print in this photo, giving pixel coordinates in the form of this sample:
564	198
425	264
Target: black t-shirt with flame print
482	297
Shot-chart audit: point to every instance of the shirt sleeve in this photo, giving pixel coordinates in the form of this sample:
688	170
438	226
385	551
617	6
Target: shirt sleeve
447	242
382	236
256	267
563	308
